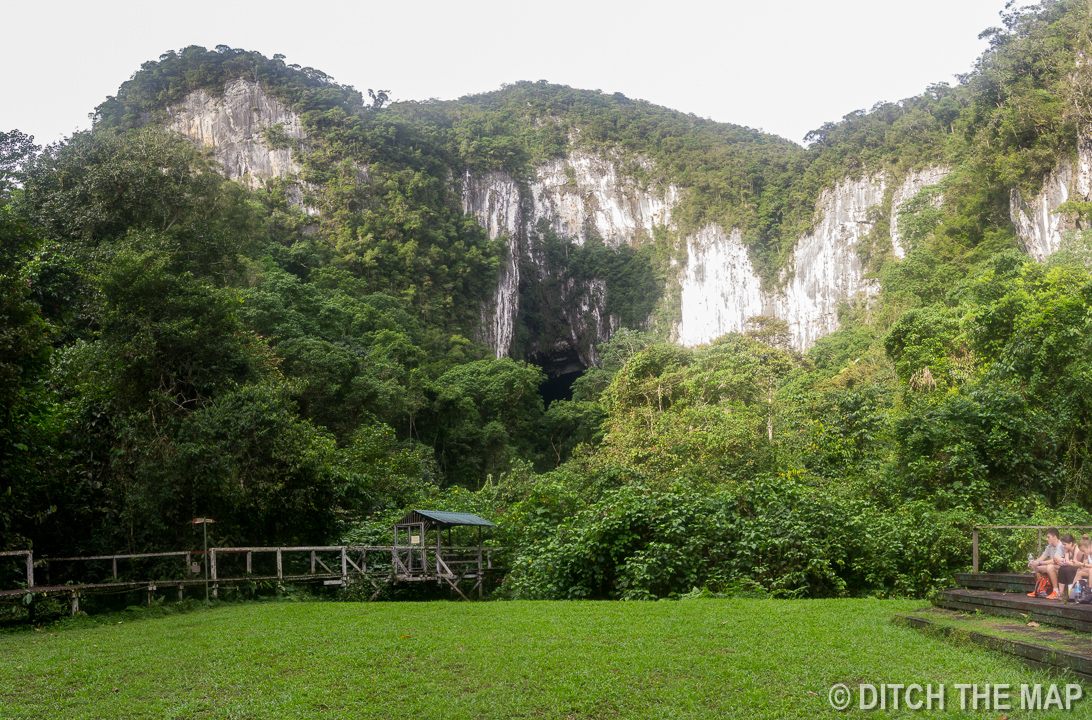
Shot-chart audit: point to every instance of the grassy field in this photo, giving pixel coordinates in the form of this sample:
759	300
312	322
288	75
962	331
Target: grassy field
689	659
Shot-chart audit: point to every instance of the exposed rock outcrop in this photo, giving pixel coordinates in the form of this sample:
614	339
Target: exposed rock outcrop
914	183
720	287
232	126
585	193
574	198
826	270
495	199
1038	223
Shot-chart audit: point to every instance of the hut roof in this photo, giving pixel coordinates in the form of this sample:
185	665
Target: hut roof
414	517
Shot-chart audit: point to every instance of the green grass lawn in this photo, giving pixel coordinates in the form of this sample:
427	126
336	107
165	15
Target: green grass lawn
689	659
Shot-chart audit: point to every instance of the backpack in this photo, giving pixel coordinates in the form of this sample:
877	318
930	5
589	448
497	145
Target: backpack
1042	587
1084	597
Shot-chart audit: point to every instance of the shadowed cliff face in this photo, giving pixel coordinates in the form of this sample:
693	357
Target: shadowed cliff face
586	196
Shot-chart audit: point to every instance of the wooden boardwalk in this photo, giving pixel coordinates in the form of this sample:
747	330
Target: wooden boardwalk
337	565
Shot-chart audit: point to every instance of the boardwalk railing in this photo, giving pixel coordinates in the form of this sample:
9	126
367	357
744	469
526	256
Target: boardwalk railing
1040	528
330	564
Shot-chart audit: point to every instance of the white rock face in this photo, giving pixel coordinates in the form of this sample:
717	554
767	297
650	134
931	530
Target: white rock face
1038	225
720	288
910	187
1037	221
826	270
232	126
574	197
585	192
496	201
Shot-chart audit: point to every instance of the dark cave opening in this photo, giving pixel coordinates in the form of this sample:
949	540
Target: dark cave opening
558	388
562	366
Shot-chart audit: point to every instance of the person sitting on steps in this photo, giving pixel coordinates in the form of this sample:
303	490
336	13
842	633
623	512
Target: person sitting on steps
1071	565
1084	562
1049	562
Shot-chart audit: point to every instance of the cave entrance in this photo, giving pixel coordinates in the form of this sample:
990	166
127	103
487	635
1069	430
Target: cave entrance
558	388
562	369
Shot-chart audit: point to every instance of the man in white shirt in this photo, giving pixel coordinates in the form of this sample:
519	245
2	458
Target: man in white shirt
1047	564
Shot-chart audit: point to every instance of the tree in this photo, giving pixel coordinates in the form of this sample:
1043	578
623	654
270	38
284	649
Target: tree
17	150
773	365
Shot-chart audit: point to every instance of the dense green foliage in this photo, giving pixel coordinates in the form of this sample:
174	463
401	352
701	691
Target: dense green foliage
173	344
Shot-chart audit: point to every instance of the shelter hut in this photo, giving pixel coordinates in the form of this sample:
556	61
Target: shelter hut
419	553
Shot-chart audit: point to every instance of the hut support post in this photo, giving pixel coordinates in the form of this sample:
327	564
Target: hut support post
212	569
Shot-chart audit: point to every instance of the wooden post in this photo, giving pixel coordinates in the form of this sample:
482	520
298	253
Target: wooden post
344	567
312	562
114	564
974	550
479	562
75	603
1040	541
212	568
248	570
280	571
151	594
180	592
30	569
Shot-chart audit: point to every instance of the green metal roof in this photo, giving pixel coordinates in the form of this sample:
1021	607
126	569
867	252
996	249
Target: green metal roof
444	518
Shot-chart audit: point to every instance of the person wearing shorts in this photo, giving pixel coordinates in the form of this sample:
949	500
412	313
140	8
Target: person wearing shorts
1049	562
1071	565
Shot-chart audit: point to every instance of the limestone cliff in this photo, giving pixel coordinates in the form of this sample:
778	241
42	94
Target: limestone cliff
719	287
586	195
1038	224
232	125
721	290
581	195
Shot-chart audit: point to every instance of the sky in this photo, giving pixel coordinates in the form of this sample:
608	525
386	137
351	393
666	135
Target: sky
784	67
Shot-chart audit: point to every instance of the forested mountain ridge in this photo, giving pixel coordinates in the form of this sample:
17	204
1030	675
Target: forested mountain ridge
364	322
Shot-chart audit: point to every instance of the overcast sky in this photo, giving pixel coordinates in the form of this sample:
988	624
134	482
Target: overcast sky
785	67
